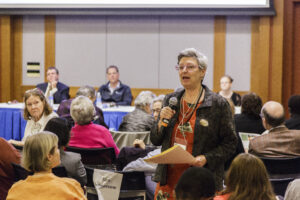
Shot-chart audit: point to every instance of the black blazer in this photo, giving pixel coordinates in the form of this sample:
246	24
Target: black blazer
61	94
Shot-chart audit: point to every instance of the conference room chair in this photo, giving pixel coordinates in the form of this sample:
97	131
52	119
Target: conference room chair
102	158
21	173
133	186
282	171
126	139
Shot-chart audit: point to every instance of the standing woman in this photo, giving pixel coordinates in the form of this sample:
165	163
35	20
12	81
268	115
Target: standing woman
226	92
201	122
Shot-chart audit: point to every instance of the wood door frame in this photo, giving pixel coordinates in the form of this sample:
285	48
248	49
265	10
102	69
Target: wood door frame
288	54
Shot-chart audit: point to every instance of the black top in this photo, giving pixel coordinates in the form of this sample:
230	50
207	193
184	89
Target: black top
293	122
248	123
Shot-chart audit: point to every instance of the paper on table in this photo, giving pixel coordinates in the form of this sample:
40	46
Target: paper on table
173	155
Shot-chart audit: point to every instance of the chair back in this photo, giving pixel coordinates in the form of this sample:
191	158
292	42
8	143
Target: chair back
282	167
21	173
133	186
282	171
95	156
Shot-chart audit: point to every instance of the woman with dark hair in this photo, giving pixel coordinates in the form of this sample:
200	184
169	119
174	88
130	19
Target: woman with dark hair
247	179
249	120
226	91
71	161
40	155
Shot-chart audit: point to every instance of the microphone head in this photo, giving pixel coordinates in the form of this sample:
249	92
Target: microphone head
173	102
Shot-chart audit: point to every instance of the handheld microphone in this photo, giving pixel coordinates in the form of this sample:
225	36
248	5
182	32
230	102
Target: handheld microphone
172	104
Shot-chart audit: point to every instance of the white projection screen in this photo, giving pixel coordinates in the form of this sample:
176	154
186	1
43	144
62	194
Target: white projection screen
134	3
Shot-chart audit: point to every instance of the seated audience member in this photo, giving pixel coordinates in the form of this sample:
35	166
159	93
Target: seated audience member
247	179
196	183
249	120
87	91
40	155
8	155
140	165
293	190
37	112
280	141
85	134
157	105
226	92
114	92
70	160
59	90
294	109
140	119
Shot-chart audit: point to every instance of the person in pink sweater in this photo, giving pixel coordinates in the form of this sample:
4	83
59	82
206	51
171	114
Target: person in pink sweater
85	134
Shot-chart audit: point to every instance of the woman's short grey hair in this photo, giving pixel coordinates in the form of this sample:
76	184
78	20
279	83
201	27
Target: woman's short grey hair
87	91
144	98
193	53
82	110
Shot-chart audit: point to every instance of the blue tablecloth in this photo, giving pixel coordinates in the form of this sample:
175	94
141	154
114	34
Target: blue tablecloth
12	123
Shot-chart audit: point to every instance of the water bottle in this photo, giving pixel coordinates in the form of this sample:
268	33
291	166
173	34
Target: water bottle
51	101
98	100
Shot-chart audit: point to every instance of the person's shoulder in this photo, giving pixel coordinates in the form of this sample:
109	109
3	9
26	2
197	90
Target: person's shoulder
104	86
72	154
122	85
42	85
68	181
62	85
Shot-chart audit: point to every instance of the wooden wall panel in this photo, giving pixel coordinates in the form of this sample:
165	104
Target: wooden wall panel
17	58
219	51
260	50
5	59
50	28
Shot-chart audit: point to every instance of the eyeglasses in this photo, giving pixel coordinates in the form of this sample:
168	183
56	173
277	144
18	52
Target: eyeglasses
188	68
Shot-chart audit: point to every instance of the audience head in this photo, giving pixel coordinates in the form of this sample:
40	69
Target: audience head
36	105
196	183
272	114
144	101
40	152
293	190
247	178
112	73
294	104
52	74
251	104
82	110
87	91
226	83
157	105
61	128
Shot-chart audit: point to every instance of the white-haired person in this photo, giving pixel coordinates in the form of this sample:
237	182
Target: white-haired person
40	155
140	119
201	123
86	134
157	105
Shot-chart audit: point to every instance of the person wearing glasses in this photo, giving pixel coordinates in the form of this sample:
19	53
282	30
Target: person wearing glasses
37	112
226	91
201	123
115	92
